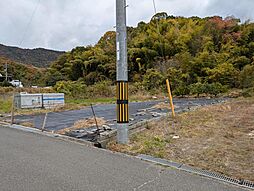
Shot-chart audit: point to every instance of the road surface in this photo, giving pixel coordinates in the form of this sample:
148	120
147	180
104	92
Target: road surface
34	162
65	119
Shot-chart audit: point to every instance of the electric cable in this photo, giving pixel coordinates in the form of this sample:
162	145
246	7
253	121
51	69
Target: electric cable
158	28
29	23
154	6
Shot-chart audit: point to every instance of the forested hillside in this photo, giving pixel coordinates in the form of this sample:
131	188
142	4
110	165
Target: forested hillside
38	57
28	74
194	53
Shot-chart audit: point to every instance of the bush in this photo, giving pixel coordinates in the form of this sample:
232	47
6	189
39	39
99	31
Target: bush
247	76
182	90
5	84
78	89
136	87
153	79
197	88
205	88
72	89
249	92
102	89
215	88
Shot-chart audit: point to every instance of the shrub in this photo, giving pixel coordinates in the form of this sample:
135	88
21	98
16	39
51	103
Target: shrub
73	89
197	88
215	88
153	79
247	76
181	90
78	89
5	84
102	89
136	87
205	88
249	92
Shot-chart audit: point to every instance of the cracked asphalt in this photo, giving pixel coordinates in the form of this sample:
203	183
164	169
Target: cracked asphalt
30	161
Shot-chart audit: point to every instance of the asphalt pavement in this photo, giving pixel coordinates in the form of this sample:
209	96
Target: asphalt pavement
30	161
65	119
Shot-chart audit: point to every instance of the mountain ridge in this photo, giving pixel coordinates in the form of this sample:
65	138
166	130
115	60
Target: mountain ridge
38	57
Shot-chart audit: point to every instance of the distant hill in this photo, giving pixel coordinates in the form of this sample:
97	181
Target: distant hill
38	57
28	74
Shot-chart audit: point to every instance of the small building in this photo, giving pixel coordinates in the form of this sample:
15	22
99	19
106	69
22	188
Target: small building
33	101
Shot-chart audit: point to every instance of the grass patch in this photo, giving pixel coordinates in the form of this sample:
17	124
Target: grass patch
219	138
5	105
86	102
70	104
82	124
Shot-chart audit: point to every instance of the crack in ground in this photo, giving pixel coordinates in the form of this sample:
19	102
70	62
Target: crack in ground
150	181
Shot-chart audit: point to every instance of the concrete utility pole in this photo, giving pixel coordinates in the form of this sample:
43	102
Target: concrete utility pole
6	71
122	73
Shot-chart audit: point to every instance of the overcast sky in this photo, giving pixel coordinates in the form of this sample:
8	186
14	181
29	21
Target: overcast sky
65	24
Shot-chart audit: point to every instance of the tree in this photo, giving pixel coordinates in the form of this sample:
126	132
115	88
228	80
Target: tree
153	79
241	61
159	16
77	68
225	74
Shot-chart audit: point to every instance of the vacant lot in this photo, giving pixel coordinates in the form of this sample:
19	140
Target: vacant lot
218	138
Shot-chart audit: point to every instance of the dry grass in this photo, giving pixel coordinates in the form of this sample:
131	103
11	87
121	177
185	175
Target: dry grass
27	124
81	124
11	90
66	107
145	96
5	104
218	138
163	105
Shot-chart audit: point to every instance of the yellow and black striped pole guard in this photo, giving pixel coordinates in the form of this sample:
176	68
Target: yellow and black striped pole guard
122	102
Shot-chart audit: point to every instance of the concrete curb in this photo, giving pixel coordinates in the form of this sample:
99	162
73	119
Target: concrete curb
242	183
46	133
135	128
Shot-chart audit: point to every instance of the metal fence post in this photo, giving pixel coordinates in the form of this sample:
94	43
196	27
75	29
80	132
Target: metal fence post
12	109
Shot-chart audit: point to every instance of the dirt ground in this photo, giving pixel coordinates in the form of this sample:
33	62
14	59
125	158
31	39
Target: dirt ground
81	124
219	138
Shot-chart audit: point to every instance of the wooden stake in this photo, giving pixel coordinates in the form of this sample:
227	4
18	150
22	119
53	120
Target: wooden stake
12	109
95	118
44	122
170	99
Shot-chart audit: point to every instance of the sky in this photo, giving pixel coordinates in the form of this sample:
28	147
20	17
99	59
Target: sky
65	24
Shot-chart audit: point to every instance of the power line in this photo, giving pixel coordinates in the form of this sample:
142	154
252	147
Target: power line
154	6
158	28
29	23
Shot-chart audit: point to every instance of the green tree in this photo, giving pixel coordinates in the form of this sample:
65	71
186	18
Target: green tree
153	79
225	74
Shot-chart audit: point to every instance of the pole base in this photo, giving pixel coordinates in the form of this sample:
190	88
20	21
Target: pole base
122	133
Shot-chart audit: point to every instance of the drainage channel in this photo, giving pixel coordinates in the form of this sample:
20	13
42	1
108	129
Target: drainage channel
102	136
206	173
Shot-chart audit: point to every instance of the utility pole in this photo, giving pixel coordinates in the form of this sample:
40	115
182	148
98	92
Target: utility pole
6	72
122	73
